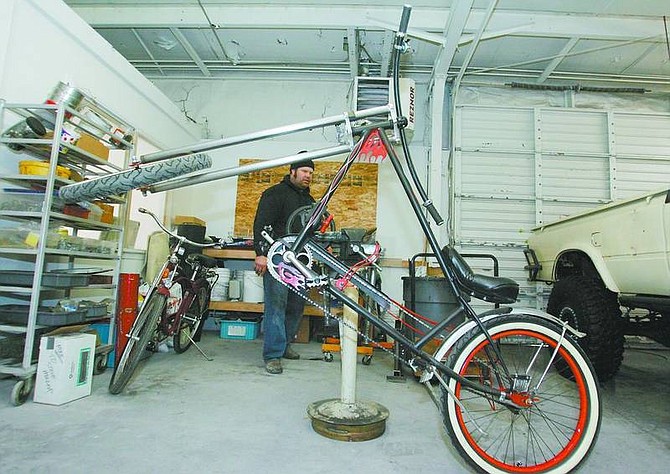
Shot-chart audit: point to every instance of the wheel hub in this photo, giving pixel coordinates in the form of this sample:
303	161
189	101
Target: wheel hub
523	399
521	394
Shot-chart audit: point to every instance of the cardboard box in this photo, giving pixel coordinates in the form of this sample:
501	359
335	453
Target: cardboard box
107	215
179	220
303	331
92	145
64	368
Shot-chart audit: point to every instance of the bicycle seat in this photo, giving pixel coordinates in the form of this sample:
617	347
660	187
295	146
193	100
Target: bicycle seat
488	288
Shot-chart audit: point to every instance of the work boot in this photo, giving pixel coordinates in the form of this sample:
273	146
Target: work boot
273	366
291	354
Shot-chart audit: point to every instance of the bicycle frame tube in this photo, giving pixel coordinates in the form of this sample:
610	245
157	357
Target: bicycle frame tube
190	291
190	288
413	348
270	133
334	264
435	246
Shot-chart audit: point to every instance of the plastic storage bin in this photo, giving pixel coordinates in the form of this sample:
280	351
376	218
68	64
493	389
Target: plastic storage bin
102	330
26	200
238	329
41	168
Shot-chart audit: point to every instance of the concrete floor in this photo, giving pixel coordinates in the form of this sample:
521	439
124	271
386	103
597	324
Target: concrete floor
185	414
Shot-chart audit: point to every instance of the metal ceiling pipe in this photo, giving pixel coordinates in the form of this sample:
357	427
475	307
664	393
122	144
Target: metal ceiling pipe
572	76
576	88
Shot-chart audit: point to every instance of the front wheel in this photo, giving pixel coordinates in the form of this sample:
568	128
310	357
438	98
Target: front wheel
557	419
141	333
191	321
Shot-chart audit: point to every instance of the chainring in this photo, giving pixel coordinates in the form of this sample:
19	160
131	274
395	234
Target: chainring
295	281
283	271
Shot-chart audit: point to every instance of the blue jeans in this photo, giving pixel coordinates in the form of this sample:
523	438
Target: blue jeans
281	319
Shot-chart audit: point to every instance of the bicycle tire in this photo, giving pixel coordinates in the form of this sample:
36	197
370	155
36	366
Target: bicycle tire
141	333
191	321
559	425
124	181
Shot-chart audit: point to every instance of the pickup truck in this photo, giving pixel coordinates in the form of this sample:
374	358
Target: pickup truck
609	268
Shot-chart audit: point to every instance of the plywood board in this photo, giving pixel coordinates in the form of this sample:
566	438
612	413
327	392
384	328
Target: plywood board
353	205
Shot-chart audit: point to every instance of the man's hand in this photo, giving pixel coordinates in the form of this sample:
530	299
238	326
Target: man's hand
260	264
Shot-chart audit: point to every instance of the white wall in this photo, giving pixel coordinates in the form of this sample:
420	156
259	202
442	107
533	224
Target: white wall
235	107
43	42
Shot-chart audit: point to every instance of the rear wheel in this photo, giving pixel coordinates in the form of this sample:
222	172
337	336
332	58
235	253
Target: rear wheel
558	418
192	321
589	307
143	330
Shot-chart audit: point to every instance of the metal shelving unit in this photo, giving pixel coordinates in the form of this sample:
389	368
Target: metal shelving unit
34	240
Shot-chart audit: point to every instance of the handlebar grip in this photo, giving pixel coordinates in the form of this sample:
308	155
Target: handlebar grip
433	213
404	19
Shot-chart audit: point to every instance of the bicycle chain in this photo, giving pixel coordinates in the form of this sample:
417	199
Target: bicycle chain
342	321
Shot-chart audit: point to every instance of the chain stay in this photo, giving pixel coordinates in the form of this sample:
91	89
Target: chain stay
292	279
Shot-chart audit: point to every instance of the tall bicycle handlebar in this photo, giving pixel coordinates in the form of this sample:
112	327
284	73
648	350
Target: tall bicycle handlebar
181	238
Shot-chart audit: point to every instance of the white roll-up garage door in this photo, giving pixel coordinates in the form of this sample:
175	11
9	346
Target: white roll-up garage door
514	168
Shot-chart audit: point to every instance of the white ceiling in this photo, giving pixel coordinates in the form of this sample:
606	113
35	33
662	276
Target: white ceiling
617	42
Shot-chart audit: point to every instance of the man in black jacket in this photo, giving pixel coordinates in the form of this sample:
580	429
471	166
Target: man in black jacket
283	308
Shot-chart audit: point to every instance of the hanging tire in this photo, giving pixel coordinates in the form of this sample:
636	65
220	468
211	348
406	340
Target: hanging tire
191	322
142	331
589	307
557	419
124	181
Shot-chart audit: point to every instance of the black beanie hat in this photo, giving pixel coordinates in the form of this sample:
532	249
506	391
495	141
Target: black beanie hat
303	163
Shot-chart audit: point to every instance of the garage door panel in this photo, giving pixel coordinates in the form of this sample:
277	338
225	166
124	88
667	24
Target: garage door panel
582	177
556	210
513	179
517	167
635	176
572	131
642	134
496	128
495	221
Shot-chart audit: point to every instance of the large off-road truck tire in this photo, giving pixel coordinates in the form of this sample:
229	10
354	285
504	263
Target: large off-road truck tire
591	308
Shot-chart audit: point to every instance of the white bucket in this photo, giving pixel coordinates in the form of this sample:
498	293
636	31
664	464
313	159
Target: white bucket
252	289
220	289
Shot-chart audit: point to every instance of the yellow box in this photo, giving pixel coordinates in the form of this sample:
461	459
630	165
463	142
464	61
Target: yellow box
92	145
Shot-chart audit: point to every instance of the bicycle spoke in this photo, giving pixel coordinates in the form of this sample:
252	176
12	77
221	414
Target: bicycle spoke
552	412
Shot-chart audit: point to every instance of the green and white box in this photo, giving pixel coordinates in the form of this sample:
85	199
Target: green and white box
64	368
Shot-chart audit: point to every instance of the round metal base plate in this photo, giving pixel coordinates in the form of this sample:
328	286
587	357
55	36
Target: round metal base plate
359	421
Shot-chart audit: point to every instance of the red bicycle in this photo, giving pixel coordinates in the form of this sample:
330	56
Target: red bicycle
174	307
